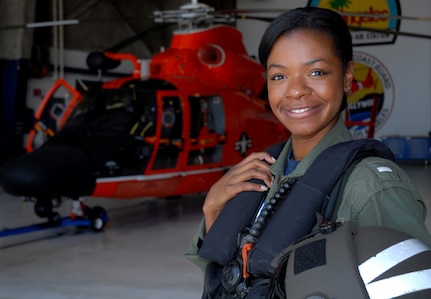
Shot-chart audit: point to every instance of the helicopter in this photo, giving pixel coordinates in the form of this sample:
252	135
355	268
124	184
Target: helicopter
201	110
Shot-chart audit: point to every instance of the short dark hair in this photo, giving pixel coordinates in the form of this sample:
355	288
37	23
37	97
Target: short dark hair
320	19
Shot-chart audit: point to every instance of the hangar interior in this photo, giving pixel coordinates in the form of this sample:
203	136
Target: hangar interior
139	253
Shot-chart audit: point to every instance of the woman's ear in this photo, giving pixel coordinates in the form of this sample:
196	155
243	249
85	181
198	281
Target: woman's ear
348	78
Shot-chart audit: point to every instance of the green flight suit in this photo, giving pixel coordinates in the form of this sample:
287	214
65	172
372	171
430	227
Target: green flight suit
377	193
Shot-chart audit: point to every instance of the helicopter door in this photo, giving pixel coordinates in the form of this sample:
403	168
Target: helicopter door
207	130
170	143
52	113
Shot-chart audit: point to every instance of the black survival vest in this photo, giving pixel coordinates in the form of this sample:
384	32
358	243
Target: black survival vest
295	216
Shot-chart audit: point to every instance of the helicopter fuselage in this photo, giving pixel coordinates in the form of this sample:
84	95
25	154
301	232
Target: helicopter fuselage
201	110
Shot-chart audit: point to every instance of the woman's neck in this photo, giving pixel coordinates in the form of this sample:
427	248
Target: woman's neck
302	145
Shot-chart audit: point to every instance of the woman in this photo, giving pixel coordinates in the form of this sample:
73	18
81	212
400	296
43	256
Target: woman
307	53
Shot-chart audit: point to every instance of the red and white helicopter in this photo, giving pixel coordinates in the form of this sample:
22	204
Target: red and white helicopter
200	111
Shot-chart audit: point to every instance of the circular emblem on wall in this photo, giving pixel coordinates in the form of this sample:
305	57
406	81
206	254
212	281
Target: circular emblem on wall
372	87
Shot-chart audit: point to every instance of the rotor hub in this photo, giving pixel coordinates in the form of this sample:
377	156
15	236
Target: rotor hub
191	16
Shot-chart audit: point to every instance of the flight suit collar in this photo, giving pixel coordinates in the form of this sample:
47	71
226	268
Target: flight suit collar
339	133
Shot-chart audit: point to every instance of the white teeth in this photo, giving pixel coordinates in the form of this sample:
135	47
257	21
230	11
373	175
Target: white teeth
300	110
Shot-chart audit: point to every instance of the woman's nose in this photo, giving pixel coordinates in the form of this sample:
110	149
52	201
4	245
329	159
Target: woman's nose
296	88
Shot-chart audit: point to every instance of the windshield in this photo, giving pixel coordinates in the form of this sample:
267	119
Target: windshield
111	112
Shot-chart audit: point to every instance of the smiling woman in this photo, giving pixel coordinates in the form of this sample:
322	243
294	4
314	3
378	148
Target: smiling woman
270	199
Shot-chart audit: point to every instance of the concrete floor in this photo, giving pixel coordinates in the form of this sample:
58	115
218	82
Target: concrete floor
138	255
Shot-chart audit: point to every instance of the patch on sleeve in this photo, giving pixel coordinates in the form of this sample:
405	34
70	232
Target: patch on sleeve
384	171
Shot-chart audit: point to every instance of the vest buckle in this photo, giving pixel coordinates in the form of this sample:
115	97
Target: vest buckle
232	276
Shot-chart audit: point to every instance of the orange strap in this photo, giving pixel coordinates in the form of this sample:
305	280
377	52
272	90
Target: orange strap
244	252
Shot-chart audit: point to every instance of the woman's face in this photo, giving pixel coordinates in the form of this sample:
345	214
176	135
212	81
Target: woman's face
306	83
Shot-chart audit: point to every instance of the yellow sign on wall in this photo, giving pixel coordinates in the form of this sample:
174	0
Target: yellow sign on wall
380	15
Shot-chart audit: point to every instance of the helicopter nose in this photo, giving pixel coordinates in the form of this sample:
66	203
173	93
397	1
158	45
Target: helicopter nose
48	172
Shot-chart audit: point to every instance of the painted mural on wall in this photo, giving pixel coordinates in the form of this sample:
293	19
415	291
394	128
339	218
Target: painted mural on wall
372	80
370	11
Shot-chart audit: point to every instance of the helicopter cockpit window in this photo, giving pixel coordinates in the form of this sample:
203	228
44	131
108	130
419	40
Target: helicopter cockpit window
102	113
212	55
54	111
207	129
120	100
111	124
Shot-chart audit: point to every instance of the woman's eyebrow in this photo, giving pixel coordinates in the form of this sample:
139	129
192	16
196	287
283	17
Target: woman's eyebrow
276	65
311	62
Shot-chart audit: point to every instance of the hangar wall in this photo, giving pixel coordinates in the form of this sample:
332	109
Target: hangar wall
15	39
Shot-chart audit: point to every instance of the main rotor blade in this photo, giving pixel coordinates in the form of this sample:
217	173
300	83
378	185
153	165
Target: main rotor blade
343	13
354	28
130	40
390	31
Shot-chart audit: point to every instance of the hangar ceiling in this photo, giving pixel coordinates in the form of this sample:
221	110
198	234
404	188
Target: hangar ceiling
103	23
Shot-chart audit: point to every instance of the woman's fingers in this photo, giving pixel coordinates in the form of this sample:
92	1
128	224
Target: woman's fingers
255	166
261	156
236	180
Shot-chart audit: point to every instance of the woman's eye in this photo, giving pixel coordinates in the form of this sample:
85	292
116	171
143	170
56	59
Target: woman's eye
317	73
277	77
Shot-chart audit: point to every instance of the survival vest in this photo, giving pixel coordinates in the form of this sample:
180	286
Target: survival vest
295	217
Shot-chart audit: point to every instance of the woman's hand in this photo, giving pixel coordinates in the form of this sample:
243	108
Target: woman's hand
236	180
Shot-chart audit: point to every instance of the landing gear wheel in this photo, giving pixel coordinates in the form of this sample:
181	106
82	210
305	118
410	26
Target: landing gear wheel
43	208
98	217
54	218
